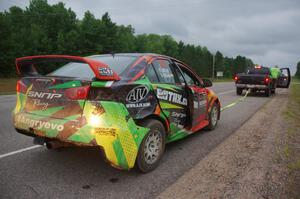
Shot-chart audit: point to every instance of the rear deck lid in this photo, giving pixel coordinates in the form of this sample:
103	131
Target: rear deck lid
58	96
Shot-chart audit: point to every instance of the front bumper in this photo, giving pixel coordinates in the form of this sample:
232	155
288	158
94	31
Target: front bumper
113	130
251	86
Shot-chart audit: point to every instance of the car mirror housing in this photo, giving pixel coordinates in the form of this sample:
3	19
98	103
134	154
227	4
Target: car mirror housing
207	83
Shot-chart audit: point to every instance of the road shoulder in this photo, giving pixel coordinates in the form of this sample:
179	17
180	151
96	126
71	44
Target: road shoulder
251	163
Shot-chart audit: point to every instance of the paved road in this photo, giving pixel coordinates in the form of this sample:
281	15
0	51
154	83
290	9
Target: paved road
82	173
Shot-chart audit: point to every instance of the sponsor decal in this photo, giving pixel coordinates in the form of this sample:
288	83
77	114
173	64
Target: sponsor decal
166	73
38	124
41	105
138	105
202	103
106	131
196	104
42	95
171	96
137	94
106	71
179	115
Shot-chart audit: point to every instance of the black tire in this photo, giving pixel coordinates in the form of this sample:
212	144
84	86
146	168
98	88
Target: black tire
156	129
212	122
273	91
239	91
268	92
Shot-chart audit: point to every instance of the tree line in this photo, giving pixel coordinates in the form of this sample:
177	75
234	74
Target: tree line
41	28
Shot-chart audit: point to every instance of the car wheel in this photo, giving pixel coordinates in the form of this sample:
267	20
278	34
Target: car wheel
213	117
268	92
273	91
152	147
239	91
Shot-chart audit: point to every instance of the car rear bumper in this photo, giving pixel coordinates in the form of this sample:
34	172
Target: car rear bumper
251	86
113	130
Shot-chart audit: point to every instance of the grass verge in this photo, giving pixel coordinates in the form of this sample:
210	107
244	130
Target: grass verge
291	149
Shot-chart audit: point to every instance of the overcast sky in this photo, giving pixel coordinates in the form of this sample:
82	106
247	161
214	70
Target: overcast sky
266	31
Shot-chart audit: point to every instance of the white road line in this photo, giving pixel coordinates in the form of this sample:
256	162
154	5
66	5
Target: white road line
19	151
225	92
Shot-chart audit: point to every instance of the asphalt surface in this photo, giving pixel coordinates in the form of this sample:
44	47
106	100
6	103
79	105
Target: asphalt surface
82	172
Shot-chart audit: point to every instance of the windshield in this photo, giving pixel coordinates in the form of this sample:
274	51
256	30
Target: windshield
118	63
262	71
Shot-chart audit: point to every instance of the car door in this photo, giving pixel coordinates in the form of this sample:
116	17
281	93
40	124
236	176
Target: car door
199	98
170	93
285	78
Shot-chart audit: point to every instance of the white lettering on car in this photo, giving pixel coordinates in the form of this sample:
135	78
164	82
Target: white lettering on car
137	94
38	124
35	94
171	96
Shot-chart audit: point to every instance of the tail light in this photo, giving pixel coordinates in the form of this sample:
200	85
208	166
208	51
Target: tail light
77	93
235	78
21	87
267	80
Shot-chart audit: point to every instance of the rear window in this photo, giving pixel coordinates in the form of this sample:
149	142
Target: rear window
264	71
118	63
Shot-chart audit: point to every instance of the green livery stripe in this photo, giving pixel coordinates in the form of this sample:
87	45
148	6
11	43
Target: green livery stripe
48	111
120	154
176	133
102	83
82	135
167	86
165	105
70	84
138	134
167	113
81	103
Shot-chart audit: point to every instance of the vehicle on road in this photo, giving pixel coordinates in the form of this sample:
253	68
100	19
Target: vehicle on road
129	105
262	78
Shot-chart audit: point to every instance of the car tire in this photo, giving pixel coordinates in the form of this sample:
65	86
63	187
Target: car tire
268	92
239	91
152	147
273	91
213	117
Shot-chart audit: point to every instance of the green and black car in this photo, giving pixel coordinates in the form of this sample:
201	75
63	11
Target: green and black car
129	105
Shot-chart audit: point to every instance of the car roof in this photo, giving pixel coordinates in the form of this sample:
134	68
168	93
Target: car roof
153	55
127	54
139	55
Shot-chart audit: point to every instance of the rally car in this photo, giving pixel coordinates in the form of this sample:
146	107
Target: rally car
129	105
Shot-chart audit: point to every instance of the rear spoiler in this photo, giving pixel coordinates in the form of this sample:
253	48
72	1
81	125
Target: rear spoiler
25	65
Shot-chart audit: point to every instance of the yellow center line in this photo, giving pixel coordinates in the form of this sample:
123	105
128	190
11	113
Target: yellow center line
236	101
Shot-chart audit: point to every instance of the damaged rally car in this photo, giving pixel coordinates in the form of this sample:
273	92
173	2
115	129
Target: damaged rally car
129	105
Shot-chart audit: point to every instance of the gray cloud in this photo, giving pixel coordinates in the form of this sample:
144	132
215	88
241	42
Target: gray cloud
266	31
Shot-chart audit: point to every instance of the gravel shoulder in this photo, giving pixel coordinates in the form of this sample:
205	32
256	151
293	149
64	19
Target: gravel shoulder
252	163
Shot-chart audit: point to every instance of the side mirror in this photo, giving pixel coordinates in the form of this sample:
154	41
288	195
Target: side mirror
207	83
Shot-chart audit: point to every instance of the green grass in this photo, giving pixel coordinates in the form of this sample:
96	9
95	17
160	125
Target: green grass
7	86
223	80
291	150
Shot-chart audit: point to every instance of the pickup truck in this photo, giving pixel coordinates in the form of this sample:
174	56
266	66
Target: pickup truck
260	79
